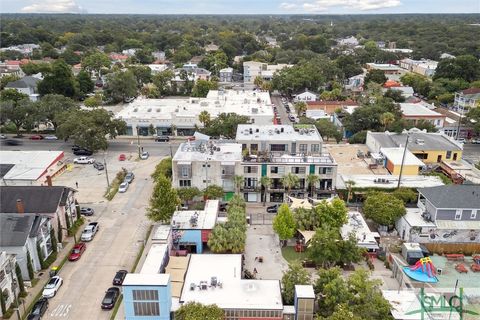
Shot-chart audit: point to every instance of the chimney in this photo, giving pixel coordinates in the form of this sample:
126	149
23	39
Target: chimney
49	181
20	206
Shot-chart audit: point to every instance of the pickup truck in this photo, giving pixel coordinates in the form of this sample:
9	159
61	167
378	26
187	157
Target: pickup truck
89	231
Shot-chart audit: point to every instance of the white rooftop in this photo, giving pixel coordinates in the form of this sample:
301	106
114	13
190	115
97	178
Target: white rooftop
162	232
28	165
395	155
368	180
383	66
197	219
357	225
235	292
137	279
417	109
414	218
208	150
252	132
154	259
304	291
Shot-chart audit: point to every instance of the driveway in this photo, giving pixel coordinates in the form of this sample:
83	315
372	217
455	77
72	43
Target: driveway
123	227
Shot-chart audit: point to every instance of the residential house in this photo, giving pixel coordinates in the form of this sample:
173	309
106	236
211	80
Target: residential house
447	56
117	57
8	279
430	147
394	85
466	99
157	68
26	85
328	107
425	67
416	112
355	83
211	47
25	49
158	55
130	52
254	69
276	150
226	75
27	214
451	126
306	96
348	42
445	214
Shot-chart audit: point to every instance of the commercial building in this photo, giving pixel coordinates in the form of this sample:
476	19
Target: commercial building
357	226
201	163
417	112
276	150
180	116
425	67
427	146
254	69
385	67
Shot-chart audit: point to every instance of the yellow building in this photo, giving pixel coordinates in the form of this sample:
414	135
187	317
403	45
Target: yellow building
393	161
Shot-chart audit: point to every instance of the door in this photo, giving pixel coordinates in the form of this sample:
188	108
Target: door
439	158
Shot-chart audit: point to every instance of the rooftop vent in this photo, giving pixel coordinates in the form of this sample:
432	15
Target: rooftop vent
158	110
203	285
282	129
420	141
192	286
149	110
135	110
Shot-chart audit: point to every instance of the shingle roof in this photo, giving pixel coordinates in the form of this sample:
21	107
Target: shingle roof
15	229
36	199
453	196
25	82
418	141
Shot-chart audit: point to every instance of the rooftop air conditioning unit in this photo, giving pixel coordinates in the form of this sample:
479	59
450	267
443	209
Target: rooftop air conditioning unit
192	286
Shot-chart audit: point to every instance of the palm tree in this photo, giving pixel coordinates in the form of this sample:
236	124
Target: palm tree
266	182
300	108
289	181
238	181
386	119
312	179
349	184
258	81
204	117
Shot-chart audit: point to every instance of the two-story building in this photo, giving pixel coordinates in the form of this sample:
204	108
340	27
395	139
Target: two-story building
466	99
254	69
417	112
445	214
26	85
277	150
8	279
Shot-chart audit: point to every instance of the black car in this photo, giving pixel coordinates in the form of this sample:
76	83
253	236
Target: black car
273	209
82	152
119	277
162	139
87	211
223	207
12	142
99	166
111	296
38	309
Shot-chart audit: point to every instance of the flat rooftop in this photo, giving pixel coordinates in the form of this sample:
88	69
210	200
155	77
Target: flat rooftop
383	66
357	225
28	165
345	155
202	150
197	219
154	259
235	292
272	133
162	232
414	218
417	109
138	279
304	291
380	181
418	141
395	155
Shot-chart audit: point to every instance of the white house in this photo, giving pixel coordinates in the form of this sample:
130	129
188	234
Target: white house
27	85
306	96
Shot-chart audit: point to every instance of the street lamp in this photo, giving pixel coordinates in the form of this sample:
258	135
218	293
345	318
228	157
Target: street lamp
138	141
403	161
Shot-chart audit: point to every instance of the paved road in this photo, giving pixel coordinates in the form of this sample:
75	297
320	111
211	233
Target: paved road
123	227
277	101
471	152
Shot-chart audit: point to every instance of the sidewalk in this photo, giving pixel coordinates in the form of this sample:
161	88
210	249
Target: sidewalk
43	276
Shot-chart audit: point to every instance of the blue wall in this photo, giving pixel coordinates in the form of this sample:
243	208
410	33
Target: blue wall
164	296
193	236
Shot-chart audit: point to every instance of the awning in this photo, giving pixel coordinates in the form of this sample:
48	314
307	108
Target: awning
185	163
299	203
307	235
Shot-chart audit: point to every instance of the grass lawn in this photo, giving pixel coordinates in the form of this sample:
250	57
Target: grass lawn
290	255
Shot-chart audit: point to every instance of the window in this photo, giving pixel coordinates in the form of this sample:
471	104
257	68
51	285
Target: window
185	183
458	215
250	169
185	172
278	147
253	148
315	148
145	295
303	148
277	170
449	154
324	170
298	170
474	214
208	166
146	309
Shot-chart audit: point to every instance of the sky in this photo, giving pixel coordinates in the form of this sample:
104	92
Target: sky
241	6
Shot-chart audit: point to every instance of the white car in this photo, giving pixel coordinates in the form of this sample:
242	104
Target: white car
51	288
84	160
144	155
50	137
123	187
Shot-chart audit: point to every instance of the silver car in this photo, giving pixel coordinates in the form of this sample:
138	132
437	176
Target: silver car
123	187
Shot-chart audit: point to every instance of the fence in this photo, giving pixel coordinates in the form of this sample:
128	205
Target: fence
261	218
465	248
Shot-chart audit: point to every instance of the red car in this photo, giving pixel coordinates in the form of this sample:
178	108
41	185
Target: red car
122	157
36	137
77	251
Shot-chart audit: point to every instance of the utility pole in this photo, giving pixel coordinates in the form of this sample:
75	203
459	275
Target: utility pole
106	172
403	161
138	141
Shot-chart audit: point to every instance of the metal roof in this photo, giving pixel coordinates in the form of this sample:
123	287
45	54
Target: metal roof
453	196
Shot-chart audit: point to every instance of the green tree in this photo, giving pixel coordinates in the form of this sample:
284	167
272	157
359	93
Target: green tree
18	273
265	182
383	208
150	91
375	75
465	67
143	74
328	130
120	86
300	108
95	61
204	118
258	81
419	83
163	202
3	301
407	195
22	115
187	194
163	168
238	182
7	79
13	96
283	223
387	119
52	105
59	80
312	180
349	184
59	230
195	310
144	56
289	181
31	274
70	57
163	81
34	68
214	61
324	245
93	101
213	192
332	290
295	275
473	119
201	88
53	240
395	95
225	125
333	214
85	83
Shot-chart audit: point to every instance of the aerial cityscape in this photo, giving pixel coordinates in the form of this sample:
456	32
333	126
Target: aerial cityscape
240	160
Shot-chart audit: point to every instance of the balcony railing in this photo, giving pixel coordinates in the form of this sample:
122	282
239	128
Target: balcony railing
290	158
250	188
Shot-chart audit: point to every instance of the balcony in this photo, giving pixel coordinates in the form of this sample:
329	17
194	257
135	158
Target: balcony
290	158
250	188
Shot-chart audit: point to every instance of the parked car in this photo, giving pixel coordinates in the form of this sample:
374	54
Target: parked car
222	207
461	140
52	287
98	165
82	152
90	231
129	177
36	137
86	211
119	277
3	136
110	298
51	137
162	138
13	142
123	187
476	141
144	155
84	160
77	251
122	157
273	209
292	118
38	310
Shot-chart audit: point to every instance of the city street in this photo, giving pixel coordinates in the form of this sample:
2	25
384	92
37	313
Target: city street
277	101
471	153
